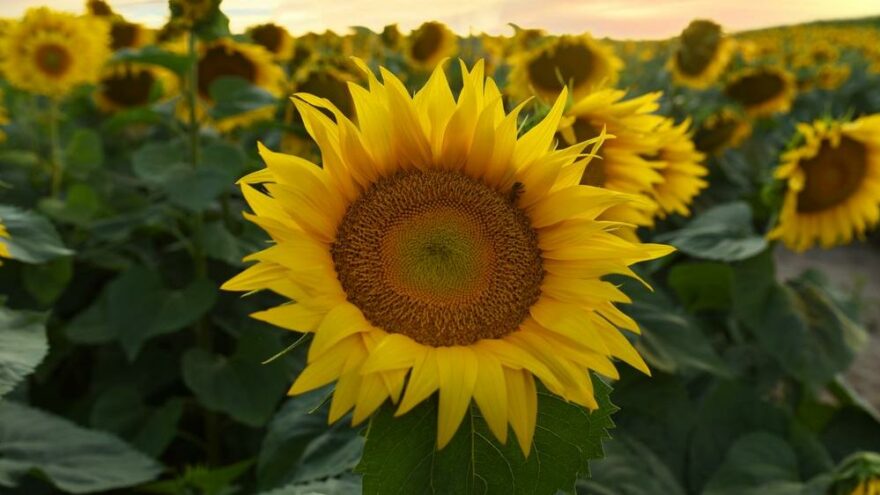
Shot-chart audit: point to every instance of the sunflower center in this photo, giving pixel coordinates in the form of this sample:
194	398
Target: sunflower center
699	42
567	64
325	85
712	139
833	175
427	42
269	36
123	34
53	59
756	88
219	61
128	88
439	257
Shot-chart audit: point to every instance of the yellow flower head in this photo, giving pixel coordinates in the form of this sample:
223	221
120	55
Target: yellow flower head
720	131
129	35
50	53
833	184
429	44
435	249
126	85
702	55
624	162
274	38
682	170
762	91
580	63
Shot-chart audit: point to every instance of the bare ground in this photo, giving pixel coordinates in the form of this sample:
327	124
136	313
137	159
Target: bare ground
854	267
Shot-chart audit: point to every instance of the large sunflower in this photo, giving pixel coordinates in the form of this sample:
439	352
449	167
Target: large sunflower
274	38
833	181
720	131
762	91
580	63
50	53
625	164
224	57
126	85
437	250
683	169
429	44
702	55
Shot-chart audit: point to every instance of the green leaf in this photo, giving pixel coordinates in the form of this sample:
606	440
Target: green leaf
629	468
722	233
798	323
196	189
74	459
79	206
400	454
23	346
154	55
332	486
136	307
84	153
160	163
239	385
235	95
121	410
202	480
762	464
671	340
701	285
46	282
32	238
300	446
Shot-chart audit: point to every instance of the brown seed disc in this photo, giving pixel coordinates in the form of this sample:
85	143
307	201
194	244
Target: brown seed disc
439	257
833	175
53	59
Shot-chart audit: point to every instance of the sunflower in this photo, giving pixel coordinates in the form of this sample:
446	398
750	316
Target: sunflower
867	487
126	85
426	46
683	170
50	53
623	166
720	131
578	62
436	244
330	83
391	37
224	57
702	55
124	34
4	249
762	91
273	38
833	181
99	8
193	13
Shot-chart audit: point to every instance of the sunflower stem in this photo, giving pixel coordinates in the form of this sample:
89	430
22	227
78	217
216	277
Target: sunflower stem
55	157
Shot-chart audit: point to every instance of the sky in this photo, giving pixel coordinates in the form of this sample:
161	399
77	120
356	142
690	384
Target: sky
636	19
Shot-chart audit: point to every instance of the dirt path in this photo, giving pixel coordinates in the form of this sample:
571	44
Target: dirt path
856	266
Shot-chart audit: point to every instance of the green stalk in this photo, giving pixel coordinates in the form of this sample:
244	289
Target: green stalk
55	157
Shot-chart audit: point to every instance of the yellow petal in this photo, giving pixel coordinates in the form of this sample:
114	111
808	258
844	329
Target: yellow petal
423	381
394	352
341	322
457	373
490	394
523	410
295	316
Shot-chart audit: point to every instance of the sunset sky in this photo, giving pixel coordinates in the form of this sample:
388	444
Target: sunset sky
614	18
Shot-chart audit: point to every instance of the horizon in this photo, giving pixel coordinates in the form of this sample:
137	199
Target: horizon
621	19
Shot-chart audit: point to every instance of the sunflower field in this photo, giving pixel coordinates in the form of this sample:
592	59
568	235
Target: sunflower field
420	262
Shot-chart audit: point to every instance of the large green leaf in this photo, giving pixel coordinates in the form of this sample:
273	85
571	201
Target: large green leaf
121	410
629	468
84	153
23	346
136	307
234	95
702	285
797	323
300	447
74	459
400	455
333	486
32	238
723	233
760	463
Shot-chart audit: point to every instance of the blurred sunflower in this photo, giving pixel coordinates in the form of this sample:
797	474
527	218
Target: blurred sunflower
720	131
4	249
99	8
858	474
274	38
762	91
683	170
331	83
193	13
426	46
126	85
702	55
436	244
224	57
391	37
622	165
124	34
580	63
833	182
867	487
50	53
817	52
831	76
